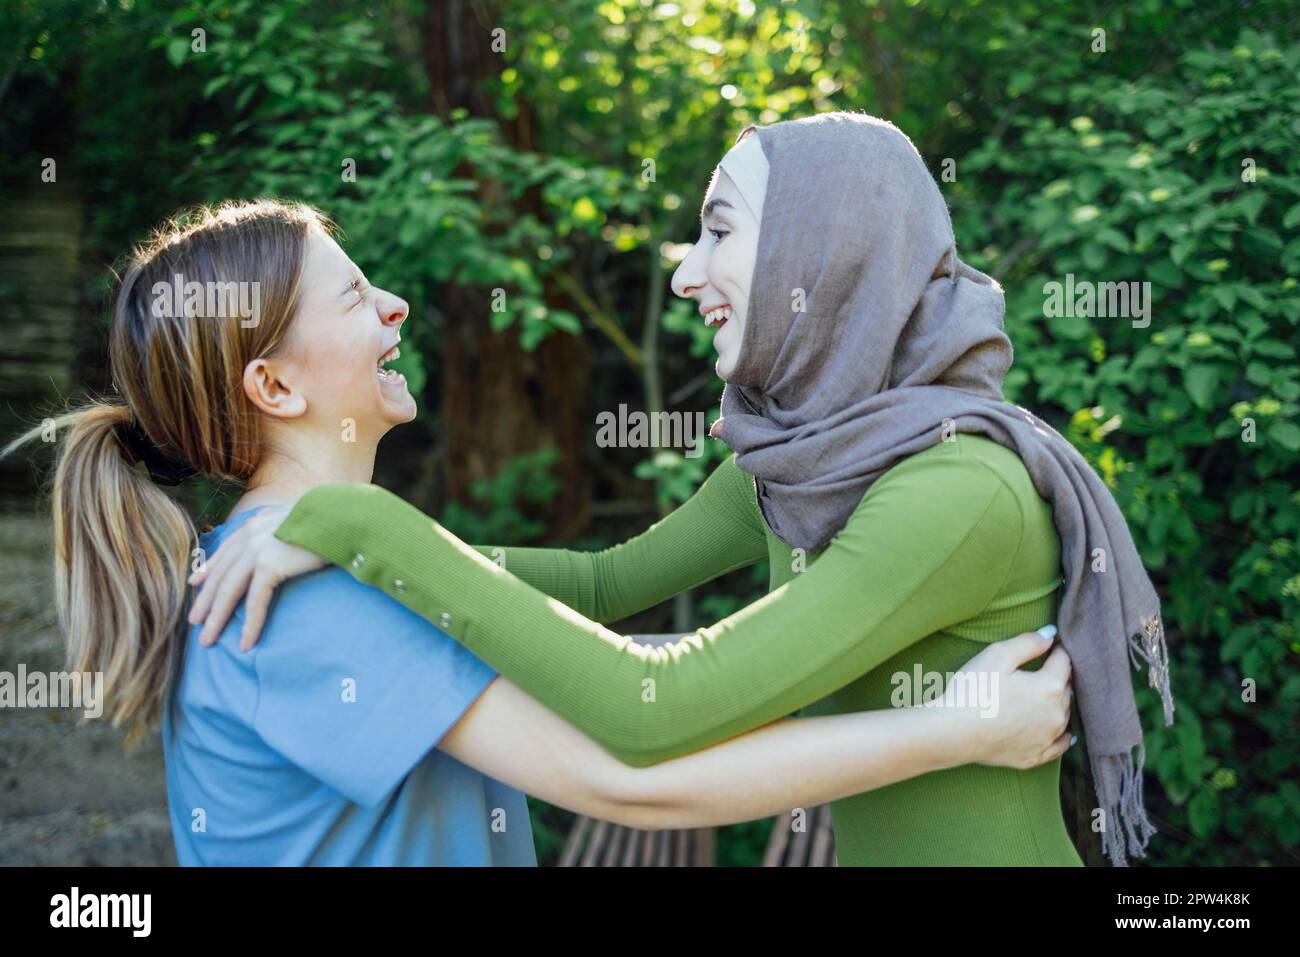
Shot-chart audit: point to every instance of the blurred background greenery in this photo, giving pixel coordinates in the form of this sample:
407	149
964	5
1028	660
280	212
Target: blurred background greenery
559	151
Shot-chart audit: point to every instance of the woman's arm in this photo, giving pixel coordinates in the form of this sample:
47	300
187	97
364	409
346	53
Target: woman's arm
716	531
928	547
797	762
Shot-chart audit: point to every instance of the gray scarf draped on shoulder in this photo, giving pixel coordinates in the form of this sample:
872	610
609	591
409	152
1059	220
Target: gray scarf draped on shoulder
896	341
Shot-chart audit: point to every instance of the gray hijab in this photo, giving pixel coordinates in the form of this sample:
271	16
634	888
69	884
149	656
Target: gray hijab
898	340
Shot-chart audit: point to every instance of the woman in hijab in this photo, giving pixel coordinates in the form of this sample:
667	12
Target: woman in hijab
910	515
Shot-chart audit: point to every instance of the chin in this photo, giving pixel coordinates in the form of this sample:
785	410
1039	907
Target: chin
397	414
394	406
725	366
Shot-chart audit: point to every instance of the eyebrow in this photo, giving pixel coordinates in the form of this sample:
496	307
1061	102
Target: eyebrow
713	204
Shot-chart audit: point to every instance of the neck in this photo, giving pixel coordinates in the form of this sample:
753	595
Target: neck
293	465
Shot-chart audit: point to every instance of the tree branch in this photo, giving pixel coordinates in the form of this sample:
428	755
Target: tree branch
601	320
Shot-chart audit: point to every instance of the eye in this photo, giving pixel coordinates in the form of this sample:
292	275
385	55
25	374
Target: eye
356	287
718	234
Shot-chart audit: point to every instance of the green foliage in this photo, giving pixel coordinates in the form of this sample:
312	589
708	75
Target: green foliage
1186	180
508	503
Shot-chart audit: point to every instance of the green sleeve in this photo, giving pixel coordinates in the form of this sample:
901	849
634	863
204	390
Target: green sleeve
928	546
716	531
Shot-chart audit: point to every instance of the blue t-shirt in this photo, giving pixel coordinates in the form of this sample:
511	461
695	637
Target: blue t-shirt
319	746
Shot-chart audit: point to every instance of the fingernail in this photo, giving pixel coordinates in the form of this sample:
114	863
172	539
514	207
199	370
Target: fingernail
1074	739
1048	632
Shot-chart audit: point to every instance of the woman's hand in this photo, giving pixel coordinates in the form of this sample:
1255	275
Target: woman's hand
1017	718
251	560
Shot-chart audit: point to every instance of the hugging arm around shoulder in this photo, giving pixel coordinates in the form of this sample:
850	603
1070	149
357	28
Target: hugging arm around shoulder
928	546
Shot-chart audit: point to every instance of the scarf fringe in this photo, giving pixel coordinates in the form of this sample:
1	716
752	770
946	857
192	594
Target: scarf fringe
1126	829
1118	777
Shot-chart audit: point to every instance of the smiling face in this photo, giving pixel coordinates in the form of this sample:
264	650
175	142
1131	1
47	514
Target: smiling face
329	368
720	266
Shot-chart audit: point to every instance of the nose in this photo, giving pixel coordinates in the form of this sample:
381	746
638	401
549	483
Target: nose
394	310
689	277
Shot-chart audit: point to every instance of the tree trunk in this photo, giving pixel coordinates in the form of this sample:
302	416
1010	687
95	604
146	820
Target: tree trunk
498	401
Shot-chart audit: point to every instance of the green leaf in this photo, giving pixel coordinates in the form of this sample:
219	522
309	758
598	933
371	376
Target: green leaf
177	49
280	83
1252	296
566	321
1114	239
1273	349
1201	382
1285	434
1166	274
1203	813
216	83
1243	503
1251	204
1258	373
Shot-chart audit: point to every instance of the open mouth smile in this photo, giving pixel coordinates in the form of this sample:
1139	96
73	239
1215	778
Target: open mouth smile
717	317
390	376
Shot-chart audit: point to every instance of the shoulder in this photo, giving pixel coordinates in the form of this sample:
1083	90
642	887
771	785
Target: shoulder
327	608
330	599
970	459
967	481
329	619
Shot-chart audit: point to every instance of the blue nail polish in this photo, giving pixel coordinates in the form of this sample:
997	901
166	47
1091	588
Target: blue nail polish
1048	632
1074	739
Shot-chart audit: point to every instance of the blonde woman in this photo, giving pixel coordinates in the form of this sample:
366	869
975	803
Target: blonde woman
357	732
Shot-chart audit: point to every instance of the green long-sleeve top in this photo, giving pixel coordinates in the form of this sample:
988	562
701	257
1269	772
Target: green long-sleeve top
948	551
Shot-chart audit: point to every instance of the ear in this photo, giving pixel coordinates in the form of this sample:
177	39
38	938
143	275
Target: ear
267	389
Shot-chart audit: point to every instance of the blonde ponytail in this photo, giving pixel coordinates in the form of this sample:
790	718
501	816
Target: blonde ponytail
121	558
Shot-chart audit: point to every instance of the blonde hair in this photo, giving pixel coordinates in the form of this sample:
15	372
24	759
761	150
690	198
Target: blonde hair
123	545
